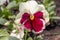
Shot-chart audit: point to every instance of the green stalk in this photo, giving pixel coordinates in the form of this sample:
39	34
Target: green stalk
26	35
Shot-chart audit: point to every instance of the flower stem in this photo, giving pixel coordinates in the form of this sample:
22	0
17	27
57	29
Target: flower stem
26	35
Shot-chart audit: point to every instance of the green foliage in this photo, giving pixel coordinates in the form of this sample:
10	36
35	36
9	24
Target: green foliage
7	18
13	38
4	34
50	7
21	0
29	38
2	21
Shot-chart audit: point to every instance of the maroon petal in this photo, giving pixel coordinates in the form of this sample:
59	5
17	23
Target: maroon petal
27	25
25	16
39	14
38	25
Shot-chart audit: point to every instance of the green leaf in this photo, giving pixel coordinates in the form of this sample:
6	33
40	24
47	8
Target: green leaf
0	13
51	14
21	0
29	38
10	27
4	34
6	13
51	8
11	4
55	17
2	21
39	37
13	38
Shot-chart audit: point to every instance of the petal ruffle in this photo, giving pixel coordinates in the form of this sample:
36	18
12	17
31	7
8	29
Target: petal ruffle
38	25
46	14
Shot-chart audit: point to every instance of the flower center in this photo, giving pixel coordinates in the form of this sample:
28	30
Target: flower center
32	17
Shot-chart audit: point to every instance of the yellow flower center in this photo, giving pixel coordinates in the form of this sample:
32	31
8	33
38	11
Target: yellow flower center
32	17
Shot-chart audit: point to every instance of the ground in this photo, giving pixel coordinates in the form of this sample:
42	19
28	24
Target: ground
53	34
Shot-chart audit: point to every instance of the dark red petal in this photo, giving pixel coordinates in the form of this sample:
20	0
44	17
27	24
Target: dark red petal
37	25
27	25
39	14
25	16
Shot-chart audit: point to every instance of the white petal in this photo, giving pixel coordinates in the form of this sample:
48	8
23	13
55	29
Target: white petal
29	6
21	32
46	14
22	7
32	6
41	7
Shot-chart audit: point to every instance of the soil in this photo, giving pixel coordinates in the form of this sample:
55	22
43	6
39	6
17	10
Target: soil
53	34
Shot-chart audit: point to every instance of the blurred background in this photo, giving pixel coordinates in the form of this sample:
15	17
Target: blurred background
9	9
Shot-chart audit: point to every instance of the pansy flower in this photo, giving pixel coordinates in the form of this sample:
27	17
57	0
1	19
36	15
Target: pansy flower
33	22
33	16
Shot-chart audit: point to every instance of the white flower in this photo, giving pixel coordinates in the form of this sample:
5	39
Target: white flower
32	7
